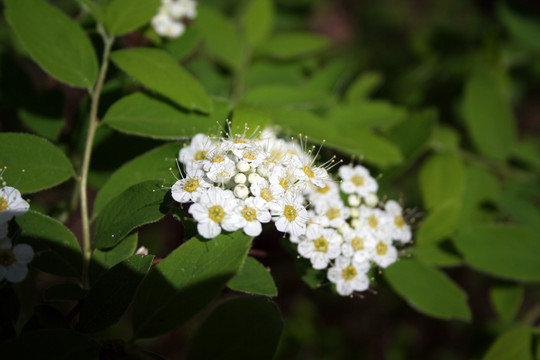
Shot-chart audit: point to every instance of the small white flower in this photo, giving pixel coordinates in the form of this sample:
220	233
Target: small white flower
196	151
334	212
263	190
399	230
322	248
372	200
384	254
359	245
11	204
374	220
353	200
243	166
357	180
164	25
179	9
249	215
289	215
14	261
191	187
348	276
306	171
214	211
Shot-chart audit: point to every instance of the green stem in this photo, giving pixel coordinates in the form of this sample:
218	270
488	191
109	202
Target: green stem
239	77
92	126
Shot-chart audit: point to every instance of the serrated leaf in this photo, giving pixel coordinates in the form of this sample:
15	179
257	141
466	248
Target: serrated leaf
140	204
140	114
293	44
160	72
514	344
221	38
363	86
58	44
442	178
258	20
440	223
60	344
374	114
428	290
153	165
242	328
44	165
186	281
102	260
111	295
506	300
488	115
56	248
506	250
123	16
253	278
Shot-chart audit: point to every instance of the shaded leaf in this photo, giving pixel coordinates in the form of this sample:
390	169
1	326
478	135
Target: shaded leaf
111	295
44	165
102	260
524	28
48	127
58	44
365	84
293	44
428	290
413	135
123	16
160	72
371	114
253	278
514	344
186	281
439	223
65	292
258	20
506	300
504	250
140	204
435	254
56	248
241	328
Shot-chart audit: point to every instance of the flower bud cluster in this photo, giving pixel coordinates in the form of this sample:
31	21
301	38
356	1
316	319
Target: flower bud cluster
13	259
168	21
240	183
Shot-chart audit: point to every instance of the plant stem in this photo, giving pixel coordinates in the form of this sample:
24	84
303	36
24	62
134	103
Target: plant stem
92	126
239	76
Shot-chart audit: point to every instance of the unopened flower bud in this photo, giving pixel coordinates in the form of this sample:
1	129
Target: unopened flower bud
243	166
354	200
141	251
372	200
355	212
241	191
254	178
356	223
240	178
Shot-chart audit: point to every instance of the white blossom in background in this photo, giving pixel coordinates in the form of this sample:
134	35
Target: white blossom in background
243	181
14	260
168	22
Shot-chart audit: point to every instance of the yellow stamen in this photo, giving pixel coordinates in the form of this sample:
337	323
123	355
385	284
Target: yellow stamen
217	159
285	184
321	245
290	213
249	213
3	204
323	190
373	221
6	257
381	248
308	171
399	221
349	273
333	213
200	155
191	185
250	155
266	194
357	243
216	213
358	180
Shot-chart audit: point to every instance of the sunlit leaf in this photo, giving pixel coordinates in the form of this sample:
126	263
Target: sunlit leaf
514	344
253	278
293	44
122	16
506	300
258	20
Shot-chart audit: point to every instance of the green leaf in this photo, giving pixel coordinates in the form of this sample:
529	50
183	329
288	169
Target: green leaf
183	46
102	260
412	135
241	328
442	178
59	344
58	44
56	248
506	300
140	204
258	20
331	77
160	72
436	254
480	186
249	119
521	209
428	290
524	28
445	138
153	165
94	8
32	162
488	115
123	16
253	278
65	292
281	95
46	126
111	295
440	223
140	114
527	151
186	281
515	344
363	86
371	114
507	251
273	73
293	44
221	38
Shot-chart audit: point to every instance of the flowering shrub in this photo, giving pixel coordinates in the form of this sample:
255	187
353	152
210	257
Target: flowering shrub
384	190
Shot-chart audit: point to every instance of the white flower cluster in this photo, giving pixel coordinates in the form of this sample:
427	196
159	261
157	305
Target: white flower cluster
240	183
168	21
13	259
